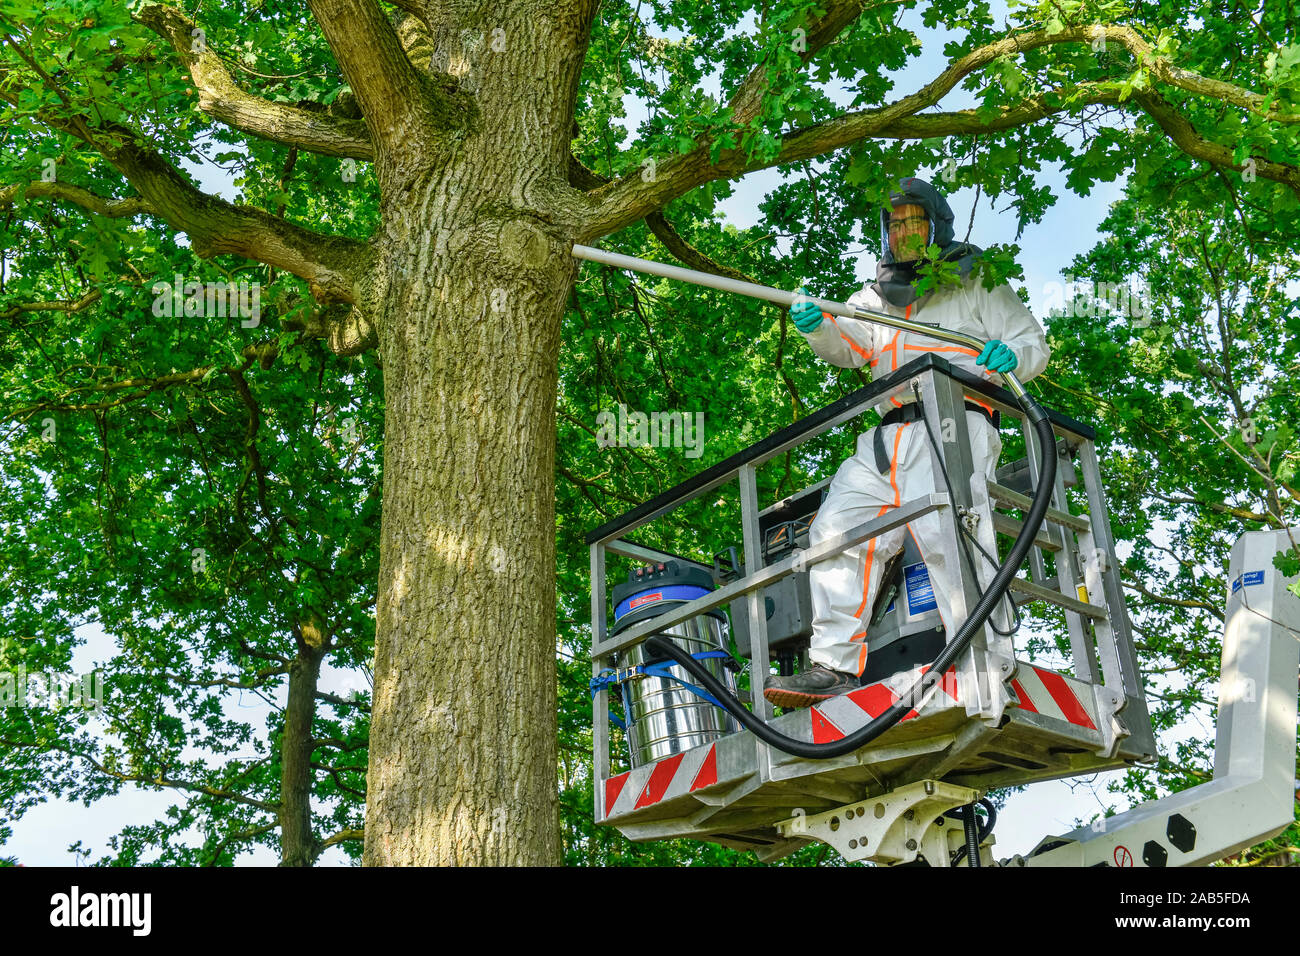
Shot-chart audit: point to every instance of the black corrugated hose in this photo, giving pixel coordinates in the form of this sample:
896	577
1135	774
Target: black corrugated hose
972	834
973	829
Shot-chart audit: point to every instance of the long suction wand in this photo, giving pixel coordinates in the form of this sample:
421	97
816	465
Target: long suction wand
785	299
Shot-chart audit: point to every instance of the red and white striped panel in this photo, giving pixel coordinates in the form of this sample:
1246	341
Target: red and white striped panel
840	716
837	717
1054	695
671	777
1040	691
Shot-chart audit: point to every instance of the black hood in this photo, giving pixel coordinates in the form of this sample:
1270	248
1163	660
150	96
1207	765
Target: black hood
894	279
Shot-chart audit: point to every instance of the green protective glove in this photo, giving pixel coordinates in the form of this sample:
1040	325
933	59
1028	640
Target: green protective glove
806	315
997	357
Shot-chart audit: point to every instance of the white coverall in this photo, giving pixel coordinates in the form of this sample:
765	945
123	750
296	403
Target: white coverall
844	587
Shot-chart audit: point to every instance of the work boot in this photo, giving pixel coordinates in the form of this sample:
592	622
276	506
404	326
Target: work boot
816	684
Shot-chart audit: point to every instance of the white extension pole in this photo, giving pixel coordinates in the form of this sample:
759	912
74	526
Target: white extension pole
784	299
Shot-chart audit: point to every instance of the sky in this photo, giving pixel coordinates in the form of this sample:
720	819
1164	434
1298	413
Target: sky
1047	247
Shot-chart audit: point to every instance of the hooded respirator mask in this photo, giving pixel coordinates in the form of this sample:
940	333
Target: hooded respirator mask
894	279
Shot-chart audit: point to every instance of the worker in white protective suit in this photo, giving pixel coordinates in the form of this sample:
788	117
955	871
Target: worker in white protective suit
892	464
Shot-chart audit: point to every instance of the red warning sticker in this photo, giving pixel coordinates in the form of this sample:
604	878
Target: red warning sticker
645	599
1122	856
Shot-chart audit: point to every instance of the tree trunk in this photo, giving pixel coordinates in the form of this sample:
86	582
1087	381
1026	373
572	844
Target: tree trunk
297	841
463	746
472	269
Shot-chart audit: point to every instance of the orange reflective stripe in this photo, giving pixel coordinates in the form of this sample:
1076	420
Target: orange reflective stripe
987	408
862	660
853	345
871	545
892	349
866	568
893	465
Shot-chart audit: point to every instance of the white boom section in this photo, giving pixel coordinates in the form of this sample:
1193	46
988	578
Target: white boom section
1252	795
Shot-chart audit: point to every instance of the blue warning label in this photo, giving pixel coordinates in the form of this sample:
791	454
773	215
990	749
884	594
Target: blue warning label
1247	579
920	593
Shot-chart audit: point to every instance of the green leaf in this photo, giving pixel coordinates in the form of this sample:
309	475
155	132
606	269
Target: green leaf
1288	562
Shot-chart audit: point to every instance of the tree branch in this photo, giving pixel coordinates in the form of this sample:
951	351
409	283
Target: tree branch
747	101
345	329
1175	602
331	265
112	208
584	178
142	386
1244	514
341	837
334	775
340	701
1183	135
240	837
632	198
258	680
61	305
159	781
403	106
223	99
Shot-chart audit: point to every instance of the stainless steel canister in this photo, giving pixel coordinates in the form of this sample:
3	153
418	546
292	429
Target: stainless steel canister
665	718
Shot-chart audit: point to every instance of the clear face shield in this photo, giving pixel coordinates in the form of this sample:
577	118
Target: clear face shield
884	229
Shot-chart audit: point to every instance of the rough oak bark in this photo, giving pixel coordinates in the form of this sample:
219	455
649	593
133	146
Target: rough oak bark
473	269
